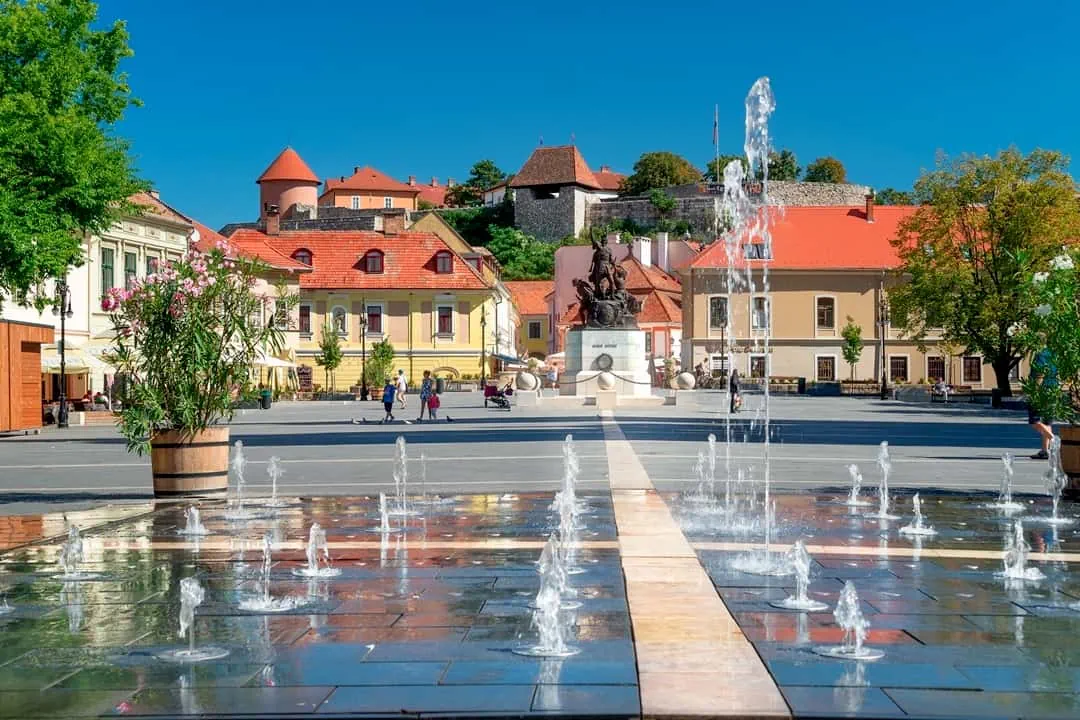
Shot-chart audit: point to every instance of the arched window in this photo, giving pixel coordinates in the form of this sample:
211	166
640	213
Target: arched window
340	320
444	262
302	255
373	261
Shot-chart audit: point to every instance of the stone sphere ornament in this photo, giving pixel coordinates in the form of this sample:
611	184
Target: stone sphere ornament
606	381
685	381
527	381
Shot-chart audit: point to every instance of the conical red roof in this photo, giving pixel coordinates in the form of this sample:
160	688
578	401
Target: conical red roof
288	166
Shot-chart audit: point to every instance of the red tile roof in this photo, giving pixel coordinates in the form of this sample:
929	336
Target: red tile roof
337	259
253	247
436	195
529	295
288	165
370	179
825	238
607	179
555	165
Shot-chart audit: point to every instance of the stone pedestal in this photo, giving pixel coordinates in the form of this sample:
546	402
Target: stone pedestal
526	398
606	399
585	351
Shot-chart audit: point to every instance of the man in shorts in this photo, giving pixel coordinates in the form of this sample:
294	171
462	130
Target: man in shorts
1042	365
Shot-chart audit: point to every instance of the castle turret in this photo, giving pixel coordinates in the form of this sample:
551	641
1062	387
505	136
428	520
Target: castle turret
288	182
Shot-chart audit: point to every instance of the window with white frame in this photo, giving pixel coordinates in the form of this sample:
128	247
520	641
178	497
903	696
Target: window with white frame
374	319
972	369
339	318
759	316
444	320
388	202
758	366
305	320
826	313
898	368
826	368
534	329
355	202
718	312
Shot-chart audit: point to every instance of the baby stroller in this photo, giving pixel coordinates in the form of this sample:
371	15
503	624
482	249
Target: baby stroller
492	393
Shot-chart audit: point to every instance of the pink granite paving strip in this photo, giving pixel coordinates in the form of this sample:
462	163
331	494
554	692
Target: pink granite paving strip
693	660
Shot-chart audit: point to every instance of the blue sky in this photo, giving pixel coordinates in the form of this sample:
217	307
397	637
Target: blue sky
427	88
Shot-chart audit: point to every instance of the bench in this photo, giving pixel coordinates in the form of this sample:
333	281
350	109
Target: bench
956	392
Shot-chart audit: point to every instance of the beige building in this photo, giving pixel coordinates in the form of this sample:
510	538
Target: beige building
828	265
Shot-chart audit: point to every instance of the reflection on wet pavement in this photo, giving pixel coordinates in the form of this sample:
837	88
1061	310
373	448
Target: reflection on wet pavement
417	621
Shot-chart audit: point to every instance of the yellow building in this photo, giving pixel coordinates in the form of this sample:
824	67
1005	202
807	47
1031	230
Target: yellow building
530	299
410	288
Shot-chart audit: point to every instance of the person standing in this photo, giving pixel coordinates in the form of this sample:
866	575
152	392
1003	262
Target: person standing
388	400
427	390
1043	368
733	391
402	387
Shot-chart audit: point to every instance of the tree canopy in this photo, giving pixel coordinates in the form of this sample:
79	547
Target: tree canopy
63	172
891	196
983	226
826	170
782	166
521	256
714	169
655	170
483	175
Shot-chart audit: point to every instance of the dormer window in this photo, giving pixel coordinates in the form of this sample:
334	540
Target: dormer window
444	262
303	255
373	261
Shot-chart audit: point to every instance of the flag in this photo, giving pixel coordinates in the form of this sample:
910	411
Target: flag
716	127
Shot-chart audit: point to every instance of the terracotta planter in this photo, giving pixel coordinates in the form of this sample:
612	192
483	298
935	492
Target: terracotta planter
1070	458
190	464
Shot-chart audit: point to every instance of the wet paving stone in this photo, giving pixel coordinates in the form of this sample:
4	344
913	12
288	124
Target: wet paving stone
405	701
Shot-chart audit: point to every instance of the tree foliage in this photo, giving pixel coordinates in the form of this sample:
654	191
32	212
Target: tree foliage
891	196
825	170
714	169
474	224
380	361
62	171
659	170
330	355
853	344
522	256
983	225
483	175
783	165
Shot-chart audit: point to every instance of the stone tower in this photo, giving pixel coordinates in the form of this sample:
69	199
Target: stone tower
287	183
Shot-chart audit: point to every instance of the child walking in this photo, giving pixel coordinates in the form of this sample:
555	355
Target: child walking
388	400
433	407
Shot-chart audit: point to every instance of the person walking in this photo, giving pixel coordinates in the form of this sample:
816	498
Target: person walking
402	388
733	391
1043	368
389	388
427	390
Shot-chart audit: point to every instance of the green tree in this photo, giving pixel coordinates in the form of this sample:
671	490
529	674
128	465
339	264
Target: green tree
826	170
714	169
380	362
63	173
783	165
423	204
891	196
659	170
665	205
853	344
983	225
474	223
522	256
330	355
483	175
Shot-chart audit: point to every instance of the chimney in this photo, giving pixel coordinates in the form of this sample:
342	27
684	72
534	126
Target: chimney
273	220
393	223
449	182
434	182
870	206
356	169
643	250
412	180
662	258
605	168
155	194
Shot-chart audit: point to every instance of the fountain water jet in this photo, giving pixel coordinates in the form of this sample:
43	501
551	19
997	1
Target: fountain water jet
5	609
264	602
551	624
1056	479
1015	557
318	556
917	526
193	524
401	479
72	556
275	471
384	526
849	617
856	485
884	467
799	560
238	464
553	562
191	596
1005	501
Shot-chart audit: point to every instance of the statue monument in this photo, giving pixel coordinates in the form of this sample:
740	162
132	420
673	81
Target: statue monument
608	340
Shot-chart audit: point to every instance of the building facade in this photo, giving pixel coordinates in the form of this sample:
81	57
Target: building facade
531	300
368	188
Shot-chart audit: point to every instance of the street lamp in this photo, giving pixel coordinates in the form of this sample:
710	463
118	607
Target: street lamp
483	347
62	307
883	320
363	350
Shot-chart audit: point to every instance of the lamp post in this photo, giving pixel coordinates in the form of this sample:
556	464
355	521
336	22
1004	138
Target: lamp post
483	347
363	349
883	320
63	309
